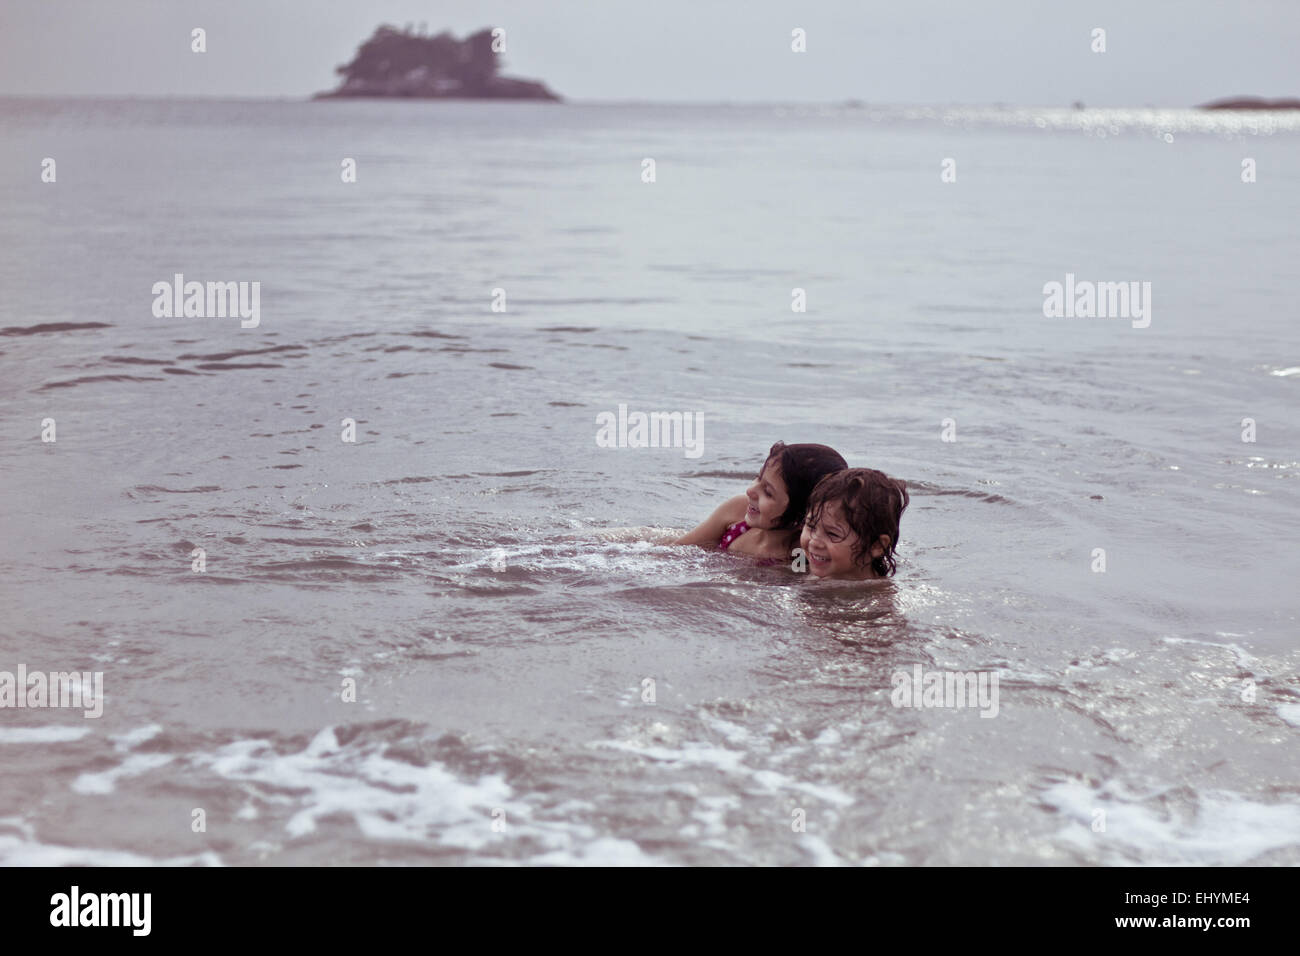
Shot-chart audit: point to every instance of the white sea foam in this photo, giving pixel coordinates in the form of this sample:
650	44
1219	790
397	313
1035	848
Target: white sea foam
106	781
886	858
830	737
1113	120
16	851
133	738
690	753
605	557
818	849
710	812
1222	829
603	851
42	735
394	800
710	816
22	847
1244	659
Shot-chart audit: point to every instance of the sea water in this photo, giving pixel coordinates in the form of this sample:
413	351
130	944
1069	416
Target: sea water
340	571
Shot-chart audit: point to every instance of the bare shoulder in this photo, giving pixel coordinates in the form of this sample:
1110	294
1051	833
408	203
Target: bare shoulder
710	529
732	510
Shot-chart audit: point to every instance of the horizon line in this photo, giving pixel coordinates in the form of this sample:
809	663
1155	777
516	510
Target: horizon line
846	102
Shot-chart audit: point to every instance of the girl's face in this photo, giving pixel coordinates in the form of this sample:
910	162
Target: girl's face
829	545
768	498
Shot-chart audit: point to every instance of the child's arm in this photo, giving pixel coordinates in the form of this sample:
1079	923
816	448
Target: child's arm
711	528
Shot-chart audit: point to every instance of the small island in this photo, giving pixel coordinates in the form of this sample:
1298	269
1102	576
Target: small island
1251	103
406	63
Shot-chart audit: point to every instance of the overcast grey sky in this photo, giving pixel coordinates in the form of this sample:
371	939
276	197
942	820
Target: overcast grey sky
1160	52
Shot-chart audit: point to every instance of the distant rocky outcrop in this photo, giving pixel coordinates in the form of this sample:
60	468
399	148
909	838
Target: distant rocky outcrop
1251	103
404	63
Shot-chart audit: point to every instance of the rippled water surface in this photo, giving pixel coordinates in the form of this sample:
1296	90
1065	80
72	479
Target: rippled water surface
447	561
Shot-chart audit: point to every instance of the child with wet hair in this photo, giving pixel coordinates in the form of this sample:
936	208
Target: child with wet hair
850	531
764	522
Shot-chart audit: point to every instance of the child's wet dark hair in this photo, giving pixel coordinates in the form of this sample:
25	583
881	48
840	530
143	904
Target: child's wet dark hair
802	466
873	504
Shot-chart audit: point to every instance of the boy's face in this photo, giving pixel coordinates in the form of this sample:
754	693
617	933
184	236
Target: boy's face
829	543
768	498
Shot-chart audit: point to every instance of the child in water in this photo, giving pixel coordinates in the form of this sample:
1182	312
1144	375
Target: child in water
765	521
851	529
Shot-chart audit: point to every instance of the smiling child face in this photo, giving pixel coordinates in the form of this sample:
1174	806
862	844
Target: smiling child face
829	545
767	496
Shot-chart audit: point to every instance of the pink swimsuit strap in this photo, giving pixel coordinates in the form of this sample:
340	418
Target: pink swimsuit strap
731	534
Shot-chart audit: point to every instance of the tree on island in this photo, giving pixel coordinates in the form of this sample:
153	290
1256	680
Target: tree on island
397	62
